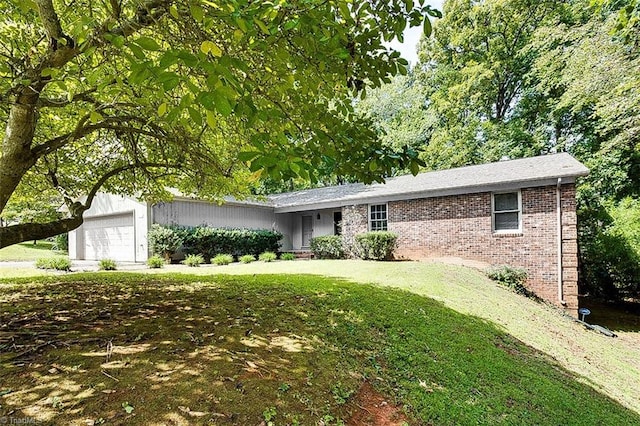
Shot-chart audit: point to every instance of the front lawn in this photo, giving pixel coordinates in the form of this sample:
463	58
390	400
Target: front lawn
177	349
29	252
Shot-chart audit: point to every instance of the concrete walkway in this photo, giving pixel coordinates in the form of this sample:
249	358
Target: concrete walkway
76	265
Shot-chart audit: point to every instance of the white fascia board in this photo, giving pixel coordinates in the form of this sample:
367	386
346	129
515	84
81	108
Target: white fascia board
355	200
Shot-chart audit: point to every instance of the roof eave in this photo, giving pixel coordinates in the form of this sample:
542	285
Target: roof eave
440	192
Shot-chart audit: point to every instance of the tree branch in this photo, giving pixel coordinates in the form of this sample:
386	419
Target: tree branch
51	24
82	131
36	231
62	102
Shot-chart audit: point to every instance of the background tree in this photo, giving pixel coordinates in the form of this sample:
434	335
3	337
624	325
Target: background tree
477	64
518	78
132	96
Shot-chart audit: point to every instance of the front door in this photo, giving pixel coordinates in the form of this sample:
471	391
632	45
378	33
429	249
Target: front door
307	230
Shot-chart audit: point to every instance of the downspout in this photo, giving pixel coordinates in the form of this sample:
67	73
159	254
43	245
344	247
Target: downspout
559	233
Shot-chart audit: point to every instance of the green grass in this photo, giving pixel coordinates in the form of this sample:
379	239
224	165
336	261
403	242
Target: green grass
609	365
29	252
289	349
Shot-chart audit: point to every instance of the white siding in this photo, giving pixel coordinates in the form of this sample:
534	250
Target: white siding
284	224
195	213
322	221
106	212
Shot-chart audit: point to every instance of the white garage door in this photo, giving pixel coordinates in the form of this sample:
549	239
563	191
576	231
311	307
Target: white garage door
110	237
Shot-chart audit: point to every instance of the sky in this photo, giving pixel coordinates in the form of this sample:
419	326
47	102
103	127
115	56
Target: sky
412	37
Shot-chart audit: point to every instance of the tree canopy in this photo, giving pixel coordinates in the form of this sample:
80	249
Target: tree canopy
134	96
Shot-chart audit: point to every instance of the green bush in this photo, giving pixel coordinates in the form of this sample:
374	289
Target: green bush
247	258
222	259
61	242
193	260
155	262
57	263
327	247
514	278
164	241
107	265
267	256
376	245
287	256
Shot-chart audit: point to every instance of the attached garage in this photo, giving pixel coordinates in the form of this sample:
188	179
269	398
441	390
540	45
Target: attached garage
110	237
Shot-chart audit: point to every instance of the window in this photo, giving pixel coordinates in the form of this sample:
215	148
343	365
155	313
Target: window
507	211
378	217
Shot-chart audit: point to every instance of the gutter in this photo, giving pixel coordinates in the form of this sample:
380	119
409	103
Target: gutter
559	233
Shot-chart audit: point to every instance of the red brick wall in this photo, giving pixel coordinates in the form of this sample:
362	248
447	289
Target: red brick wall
460	226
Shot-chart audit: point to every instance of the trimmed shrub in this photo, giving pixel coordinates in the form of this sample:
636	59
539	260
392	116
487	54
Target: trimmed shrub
268	256
327	247
514	278
164	241
107	265
210	241
222	259
57	263
247	258
193	260
287	256
376	245
155	262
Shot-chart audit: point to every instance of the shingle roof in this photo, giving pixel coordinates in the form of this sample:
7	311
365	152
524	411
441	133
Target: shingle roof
533	171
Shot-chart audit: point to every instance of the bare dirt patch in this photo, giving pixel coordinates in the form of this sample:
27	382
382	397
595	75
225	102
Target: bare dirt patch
371	408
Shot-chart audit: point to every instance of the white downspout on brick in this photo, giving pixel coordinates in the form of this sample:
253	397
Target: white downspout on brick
559	233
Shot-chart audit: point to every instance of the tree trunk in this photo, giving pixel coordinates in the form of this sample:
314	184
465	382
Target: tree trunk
16	156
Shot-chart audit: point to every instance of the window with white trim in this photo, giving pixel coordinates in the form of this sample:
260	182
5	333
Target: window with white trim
506	209
378	217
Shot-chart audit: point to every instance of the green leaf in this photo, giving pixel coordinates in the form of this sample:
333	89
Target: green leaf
137	51
248	155
95	117
118	41
426	26
162	109
147	43
212	120
223	106
197	12
415	168
210	47
195	115
173	10
262	26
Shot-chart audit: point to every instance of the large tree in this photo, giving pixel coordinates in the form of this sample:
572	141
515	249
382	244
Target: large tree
134	96
477	64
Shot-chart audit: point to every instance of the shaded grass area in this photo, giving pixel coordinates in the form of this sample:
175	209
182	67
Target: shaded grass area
30	252
156	349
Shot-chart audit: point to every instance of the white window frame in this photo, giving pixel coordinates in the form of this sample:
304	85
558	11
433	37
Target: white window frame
493	213
386	214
